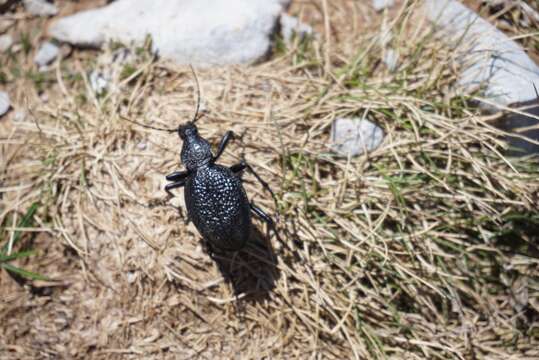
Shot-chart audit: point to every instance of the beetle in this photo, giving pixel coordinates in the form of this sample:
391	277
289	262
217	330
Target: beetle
215	199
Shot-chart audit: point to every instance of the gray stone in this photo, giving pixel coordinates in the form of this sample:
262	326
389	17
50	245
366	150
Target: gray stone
380	5
354	136
290	25
46	54
5	42
40	7
5	105
198	32
491	59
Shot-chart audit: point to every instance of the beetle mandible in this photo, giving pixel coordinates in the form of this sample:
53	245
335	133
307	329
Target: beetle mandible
214	195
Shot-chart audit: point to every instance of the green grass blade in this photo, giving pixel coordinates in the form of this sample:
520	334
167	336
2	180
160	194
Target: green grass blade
24	273
17	255
26	221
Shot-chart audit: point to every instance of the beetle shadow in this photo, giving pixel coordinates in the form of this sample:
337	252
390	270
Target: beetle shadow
252	271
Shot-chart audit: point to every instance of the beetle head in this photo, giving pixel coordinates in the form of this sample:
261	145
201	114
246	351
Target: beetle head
196	151
187	130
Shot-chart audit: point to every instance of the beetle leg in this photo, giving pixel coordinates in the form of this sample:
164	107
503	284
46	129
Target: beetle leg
268	220
244	165
271	224
174	185
178	179
265	218
262	215
229	135
177	175
239	167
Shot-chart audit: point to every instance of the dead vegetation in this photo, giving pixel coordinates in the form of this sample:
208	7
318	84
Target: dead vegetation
424	248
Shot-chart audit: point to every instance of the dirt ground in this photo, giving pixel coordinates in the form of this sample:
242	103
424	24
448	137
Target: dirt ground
425	248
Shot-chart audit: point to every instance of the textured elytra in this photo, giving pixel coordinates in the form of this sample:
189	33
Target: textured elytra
218	206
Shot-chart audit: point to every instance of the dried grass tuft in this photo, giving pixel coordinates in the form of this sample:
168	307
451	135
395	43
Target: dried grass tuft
424	248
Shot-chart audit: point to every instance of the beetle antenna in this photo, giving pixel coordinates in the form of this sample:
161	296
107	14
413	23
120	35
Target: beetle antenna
147	126
196	117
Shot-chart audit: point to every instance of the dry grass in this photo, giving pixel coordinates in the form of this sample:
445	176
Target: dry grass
425	248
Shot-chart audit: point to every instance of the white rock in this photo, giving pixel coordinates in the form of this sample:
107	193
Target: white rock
40	7
131	276
380	5
490	57
106	75
46	54
98	82
4	103
200	32
290	25
354	136
19	116
142	145
391	59
5	42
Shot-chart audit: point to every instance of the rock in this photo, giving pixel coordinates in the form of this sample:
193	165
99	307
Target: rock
380	5
46	54
391	59
105	77
290	25
354	136
142	145
5	42
491	59
19	116
40	7
5	105
198	32
98	82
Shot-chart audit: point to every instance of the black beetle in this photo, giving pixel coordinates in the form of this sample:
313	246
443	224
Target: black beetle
214	195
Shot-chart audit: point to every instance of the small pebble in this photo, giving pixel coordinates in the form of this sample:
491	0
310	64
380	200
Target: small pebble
391	59
98	82
354	136
4	103
131	277
40	7
142	145
380	5
19	116
5	42
46	54
290	25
